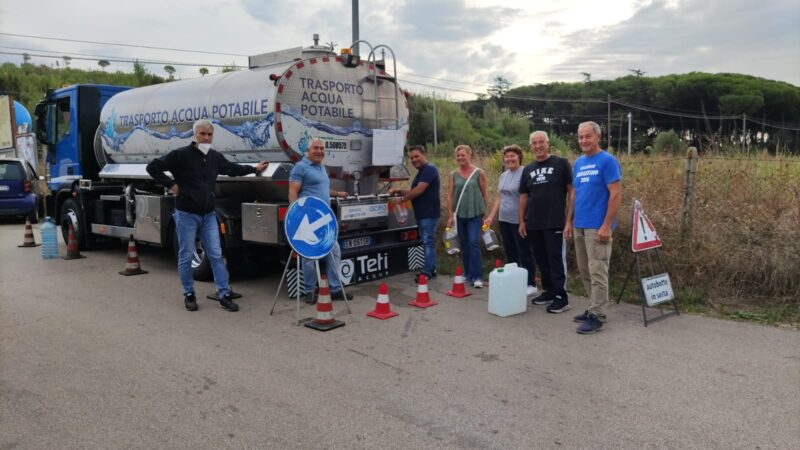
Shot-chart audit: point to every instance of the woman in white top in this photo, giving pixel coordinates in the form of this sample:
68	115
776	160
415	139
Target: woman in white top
507	205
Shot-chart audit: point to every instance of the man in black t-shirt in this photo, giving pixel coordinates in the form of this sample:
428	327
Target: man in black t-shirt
424	196
544	193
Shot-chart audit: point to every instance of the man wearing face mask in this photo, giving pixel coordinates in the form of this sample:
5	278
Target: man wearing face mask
194	170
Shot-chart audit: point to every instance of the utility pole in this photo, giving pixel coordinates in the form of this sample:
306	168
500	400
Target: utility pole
744	134
435	140
608	123
355	27
630	129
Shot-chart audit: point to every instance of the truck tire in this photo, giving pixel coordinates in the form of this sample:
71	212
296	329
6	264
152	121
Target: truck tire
201	266
71	213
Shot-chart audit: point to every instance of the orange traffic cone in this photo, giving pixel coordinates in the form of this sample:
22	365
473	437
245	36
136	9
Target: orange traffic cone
423	296
458	290
324	320
132	266
73	252
383	310
29	241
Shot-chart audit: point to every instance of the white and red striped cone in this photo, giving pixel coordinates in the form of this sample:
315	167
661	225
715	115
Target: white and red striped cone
29	241
458	290
423	299
324	320
73	252
132	266
383	310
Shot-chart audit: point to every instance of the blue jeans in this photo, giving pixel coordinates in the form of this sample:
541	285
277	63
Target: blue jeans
427	231
333	260
188	227
518	250
469	233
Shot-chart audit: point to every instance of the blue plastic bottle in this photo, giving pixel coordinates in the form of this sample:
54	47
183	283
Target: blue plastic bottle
49	239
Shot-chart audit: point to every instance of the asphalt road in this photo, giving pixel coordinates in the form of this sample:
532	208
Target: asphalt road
92	359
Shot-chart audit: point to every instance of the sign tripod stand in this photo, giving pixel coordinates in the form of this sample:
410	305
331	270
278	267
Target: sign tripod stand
656	288
312	232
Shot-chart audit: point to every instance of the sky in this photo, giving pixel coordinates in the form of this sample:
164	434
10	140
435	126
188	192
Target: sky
454	48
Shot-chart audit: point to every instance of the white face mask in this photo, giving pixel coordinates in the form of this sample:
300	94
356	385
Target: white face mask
204	148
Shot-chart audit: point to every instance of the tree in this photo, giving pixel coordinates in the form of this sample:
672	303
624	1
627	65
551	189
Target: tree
230	68
67	60
103	64
203	71
499	87
587	77
637	72
170	71
26	58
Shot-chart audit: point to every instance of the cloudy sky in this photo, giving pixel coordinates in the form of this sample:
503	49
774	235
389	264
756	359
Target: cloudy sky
450	46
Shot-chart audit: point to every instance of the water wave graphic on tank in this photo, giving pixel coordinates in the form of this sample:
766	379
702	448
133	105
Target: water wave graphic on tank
254	134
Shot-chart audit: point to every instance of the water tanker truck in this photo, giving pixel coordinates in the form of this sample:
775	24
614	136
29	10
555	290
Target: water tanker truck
98	140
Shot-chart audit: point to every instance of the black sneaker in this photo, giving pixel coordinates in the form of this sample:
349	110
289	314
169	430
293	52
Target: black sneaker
543	299
591	325
580	318
228	304
559	305
190	302
310	297
339	295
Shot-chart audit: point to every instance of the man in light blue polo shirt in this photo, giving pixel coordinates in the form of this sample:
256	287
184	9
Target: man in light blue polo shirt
308	178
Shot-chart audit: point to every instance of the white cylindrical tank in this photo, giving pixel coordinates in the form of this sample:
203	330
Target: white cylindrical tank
264	113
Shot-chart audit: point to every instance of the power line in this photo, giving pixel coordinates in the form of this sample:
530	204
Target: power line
141	61
120	45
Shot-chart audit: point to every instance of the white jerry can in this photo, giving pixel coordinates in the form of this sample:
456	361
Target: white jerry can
507	290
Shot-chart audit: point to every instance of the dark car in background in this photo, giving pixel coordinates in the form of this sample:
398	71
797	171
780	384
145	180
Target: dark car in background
19	189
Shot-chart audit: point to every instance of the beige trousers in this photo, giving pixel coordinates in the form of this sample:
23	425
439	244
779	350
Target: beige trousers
593	258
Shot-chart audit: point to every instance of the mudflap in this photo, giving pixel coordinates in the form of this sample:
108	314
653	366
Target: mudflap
363	265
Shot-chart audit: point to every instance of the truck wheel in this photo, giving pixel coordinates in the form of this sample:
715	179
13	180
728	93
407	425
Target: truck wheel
71	214
201	266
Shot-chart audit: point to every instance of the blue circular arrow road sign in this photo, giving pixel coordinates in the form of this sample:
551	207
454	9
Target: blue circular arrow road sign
311	227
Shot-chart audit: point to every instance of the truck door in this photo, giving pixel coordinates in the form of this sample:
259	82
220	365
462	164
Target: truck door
62	158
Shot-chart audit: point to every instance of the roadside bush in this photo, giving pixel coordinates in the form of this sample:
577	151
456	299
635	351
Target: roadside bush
668	142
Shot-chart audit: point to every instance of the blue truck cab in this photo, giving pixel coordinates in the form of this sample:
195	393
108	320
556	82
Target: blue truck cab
67	120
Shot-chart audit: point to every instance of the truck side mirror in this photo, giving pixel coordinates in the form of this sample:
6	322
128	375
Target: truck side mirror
41	123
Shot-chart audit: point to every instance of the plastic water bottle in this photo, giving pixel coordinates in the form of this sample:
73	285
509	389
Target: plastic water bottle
49	239
489	238
401	213
451	246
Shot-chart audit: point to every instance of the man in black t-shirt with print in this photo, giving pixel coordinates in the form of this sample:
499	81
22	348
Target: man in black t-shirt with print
544	193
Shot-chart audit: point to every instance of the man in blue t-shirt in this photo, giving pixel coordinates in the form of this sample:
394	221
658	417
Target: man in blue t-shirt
595	201
424	196
309	178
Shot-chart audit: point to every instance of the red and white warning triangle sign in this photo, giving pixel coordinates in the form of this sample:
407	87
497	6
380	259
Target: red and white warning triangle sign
644	236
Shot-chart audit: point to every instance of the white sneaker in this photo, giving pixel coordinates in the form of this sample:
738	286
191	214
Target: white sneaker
532	291
478	284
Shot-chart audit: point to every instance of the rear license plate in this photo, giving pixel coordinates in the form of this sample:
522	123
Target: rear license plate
3	187
363	241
